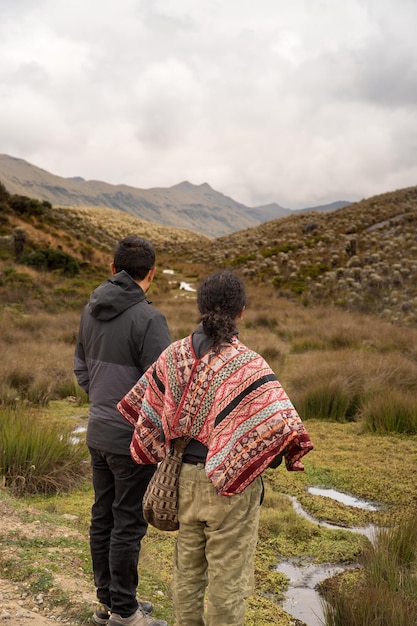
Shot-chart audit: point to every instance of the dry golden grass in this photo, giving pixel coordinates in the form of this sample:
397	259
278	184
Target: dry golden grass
307	347
37	352
331	361
115	225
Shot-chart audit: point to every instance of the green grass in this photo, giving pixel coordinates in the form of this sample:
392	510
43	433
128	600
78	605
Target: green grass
331	400
385	591
38	456
391	411
342	459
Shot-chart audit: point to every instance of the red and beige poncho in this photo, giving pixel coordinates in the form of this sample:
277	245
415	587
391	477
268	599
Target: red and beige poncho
231	402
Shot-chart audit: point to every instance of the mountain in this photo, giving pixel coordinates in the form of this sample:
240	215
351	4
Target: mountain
325	208
194	207
273	211
267	212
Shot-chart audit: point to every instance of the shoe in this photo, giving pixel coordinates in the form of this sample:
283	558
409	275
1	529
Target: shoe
137	619
102	614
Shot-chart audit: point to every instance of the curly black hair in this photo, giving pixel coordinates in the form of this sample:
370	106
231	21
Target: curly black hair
221	297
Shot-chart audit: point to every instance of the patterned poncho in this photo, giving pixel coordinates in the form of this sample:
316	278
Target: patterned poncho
231	402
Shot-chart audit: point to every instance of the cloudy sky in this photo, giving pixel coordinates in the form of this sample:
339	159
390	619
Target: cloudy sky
298	102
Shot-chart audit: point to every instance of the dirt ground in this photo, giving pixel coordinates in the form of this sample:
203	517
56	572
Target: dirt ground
17	604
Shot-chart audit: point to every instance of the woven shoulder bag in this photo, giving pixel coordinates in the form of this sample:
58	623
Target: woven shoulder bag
160	502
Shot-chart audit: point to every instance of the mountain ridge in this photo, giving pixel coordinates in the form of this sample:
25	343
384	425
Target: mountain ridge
199	208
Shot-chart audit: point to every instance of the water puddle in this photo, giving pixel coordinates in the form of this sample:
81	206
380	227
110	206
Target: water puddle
183	286
80	430
343	498
302	600
368	531
186	286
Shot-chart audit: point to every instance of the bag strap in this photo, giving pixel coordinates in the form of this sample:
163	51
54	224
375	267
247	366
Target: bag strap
180	444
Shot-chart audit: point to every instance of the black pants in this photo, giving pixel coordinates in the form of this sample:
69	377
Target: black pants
117	527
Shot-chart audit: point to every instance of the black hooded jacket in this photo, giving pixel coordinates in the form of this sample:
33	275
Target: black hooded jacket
120	335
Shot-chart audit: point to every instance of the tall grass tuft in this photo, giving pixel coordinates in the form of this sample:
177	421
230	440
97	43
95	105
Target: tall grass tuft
70	389
386	591
38	457
331	400
21	383
391	411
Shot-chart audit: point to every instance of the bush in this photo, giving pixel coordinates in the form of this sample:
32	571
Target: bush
70	389
27	206
38	457
4	195
50	259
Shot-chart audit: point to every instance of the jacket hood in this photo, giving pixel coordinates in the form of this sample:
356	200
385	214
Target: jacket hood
115	295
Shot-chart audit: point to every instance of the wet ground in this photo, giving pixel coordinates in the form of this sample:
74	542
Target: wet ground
302	601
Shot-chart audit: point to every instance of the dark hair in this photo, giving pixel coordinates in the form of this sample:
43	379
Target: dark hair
220	299
134	255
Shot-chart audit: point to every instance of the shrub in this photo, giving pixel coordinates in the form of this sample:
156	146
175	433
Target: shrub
70	388
28	206
4	194
242	259
38	457
50	259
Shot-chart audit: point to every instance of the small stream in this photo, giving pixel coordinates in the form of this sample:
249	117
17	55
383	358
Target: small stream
302	601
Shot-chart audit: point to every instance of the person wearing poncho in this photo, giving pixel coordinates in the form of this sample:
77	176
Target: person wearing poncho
213	388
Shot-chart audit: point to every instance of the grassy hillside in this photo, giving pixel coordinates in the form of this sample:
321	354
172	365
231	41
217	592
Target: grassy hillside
85	235
360	258
351	374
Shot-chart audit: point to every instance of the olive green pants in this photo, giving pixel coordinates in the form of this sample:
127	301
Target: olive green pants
214	551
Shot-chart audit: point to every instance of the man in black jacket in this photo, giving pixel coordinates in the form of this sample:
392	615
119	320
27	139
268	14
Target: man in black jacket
120	335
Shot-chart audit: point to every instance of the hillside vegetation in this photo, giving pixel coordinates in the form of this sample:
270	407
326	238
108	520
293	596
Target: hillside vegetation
352	375
75	244
361	258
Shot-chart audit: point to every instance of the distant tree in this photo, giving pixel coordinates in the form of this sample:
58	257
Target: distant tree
4	194
4	199
19	240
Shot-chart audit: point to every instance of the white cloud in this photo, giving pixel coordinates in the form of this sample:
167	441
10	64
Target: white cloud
298	103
